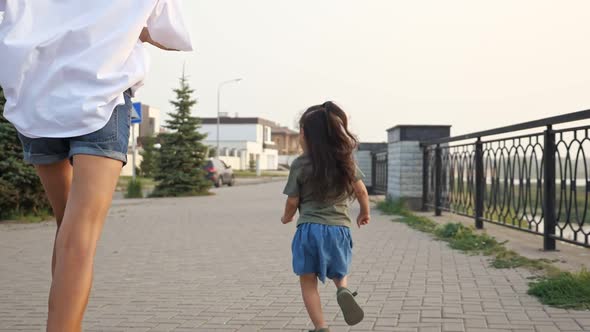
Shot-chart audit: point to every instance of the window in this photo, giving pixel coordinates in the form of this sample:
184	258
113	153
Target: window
267	134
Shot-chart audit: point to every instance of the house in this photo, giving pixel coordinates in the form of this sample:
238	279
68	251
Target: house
243	142
151	125
287	141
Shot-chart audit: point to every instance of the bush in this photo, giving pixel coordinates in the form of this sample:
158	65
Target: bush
448	231
21	192
566	290
8	200
390	206
134	189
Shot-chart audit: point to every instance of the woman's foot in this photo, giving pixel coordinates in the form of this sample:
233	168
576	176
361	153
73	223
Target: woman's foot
321	330
352	312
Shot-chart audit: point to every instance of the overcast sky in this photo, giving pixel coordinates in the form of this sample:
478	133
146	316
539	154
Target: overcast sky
472	64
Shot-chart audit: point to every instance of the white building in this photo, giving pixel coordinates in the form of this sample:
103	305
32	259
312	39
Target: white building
243	141
151	125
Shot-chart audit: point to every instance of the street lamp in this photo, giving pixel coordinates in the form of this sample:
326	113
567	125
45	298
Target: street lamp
237	80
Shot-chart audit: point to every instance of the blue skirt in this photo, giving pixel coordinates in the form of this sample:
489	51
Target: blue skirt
323	250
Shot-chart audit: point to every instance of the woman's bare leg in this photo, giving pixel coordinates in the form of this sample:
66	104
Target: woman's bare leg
57	181
311	298
93	184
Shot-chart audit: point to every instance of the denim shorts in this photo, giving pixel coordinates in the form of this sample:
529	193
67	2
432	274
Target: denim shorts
111	141
323	250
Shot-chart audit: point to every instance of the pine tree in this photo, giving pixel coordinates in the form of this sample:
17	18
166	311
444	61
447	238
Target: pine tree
149	155
182	154
20	189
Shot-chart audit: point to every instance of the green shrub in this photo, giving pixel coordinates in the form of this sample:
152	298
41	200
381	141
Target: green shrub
134	189
566	290
393	207
448	231
8	198
467	240
21	192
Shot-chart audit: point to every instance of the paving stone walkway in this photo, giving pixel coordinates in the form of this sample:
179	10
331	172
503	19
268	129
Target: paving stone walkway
222	263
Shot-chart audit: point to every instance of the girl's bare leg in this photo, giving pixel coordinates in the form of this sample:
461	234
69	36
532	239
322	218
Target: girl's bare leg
341	283
57	181
311	298
93	184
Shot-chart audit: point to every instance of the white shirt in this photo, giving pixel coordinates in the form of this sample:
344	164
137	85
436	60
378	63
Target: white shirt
64	64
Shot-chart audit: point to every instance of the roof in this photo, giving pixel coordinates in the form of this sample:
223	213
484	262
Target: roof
418	126
373	147
284	130
230	120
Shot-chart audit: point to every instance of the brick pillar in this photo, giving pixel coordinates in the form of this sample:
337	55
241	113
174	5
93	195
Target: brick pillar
405	161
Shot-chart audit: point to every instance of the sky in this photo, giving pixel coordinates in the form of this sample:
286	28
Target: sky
472	64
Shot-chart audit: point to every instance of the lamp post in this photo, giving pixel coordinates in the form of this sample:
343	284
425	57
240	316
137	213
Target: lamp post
221	85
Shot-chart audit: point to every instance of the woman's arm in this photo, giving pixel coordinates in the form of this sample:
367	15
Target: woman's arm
146	38
290	209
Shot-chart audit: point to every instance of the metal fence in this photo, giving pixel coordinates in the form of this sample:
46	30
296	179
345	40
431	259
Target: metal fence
380	173
537	182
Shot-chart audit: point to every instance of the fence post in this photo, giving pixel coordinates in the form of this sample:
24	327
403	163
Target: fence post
384	170
425	178
550	219
479	184
438	180
373	172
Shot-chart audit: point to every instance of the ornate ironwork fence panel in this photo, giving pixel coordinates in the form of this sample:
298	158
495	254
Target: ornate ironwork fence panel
538	182
573	185
513	182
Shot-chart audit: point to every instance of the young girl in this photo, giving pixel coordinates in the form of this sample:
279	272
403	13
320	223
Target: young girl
68	70
321	184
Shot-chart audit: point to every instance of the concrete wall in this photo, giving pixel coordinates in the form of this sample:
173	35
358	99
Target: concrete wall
128	169
269	160
287	159
405	161
151	123
234	162
405	170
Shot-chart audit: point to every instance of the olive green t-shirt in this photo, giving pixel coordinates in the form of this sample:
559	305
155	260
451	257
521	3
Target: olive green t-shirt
311	211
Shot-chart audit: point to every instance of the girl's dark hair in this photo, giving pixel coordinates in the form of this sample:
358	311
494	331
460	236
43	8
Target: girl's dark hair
330	148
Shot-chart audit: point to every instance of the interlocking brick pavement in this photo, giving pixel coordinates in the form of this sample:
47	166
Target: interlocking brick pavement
222	263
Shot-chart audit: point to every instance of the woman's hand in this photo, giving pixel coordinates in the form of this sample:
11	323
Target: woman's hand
146	38
285	220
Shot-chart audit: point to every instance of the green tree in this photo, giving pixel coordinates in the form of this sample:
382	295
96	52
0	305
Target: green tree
21	191
149	155
182	154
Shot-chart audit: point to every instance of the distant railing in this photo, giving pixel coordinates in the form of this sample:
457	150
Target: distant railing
379	173
537	181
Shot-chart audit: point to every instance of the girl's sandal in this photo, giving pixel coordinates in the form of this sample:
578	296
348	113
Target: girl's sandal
321	330
352	312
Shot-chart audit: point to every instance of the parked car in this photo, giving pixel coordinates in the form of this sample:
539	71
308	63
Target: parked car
219	173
